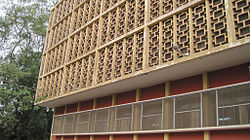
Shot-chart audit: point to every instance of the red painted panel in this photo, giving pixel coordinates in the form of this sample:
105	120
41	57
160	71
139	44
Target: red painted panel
72	108
86	105
83	137
231	135
126	97
187	136
153	92
151	137
59	110
102	137
56	137
186	85
104	102
123	137
230	75
68	138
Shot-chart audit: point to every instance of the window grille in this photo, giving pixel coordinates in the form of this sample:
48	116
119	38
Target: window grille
123	118
152	115
223	106
101	120
82	123
69	124
187	111
234	105
57	126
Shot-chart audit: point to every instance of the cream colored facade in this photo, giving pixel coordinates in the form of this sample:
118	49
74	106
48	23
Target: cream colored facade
95	48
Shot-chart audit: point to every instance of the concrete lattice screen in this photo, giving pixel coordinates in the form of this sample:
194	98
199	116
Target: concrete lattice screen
90	43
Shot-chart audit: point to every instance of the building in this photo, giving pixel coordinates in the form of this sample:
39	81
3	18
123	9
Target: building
147	70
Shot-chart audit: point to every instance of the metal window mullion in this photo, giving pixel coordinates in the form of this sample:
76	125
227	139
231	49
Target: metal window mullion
162	113
196	110
234	105
89	122
201	108
132	118
141	115
73	123
115	119
217	111
95	121
174	113
108	120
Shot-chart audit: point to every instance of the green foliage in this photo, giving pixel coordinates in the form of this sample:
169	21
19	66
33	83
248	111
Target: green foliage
22	34
20	119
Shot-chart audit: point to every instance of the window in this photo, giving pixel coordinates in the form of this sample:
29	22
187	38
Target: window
234	105
101	120
69	124
187	111
225	106
152	115
123	118
57	126
82	122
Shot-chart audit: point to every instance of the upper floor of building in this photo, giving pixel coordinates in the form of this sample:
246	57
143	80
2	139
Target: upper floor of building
95	48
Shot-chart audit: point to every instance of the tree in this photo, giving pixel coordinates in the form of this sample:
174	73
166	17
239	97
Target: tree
22	34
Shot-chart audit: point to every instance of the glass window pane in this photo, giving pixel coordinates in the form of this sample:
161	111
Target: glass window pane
83	117
123	125
68	123
234	95
152	108
124	111
187	103
152	123
188	120
82	122
101	126
82	128
57	127
102	115
234	115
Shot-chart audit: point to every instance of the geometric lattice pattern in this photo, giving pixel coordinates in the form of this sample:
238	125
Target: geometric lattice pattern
183	35
92	42
199	28
154	45
241	18
154	9
167	40
218	22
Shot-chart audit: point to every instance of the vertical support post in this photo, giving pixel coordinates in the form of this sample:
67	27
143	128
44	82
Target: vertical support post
112	116
51	135
166	111
167	89
205	86
166	136
206	135
65	111
136	113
